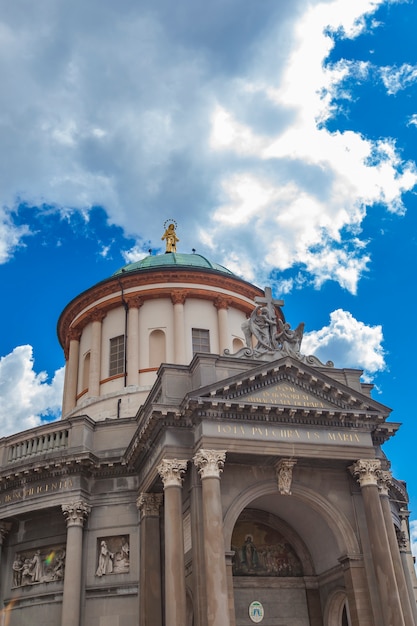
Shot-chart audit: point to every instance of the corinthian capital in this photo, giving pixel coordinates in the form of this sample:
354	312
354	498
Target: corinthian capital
210	462
384	481
76	512
149	504
171	471
366	471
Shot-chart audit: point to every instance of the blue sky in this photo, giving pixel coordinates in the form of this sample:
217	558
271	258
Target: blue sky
280	136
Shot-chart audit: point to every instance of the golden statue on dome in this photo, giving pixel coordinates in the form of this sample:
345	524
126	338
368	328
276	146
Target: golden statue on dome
170	236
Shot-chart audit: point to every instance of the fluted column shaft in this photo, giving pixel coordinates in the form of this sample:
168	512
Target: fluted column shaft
150	588
178	299
210	464
407	561
385	479
95	355
71	372
175	596
75	514
366	472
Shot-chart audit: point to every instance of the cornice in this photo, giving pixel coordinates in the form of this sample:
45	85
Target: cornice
145	279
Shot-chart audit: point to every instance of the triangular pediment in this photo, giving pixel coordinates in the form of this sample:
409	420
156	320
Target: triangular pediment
287	383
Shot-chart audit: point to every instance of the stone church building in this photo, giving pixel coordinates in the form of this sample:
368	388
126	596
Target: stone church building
205	472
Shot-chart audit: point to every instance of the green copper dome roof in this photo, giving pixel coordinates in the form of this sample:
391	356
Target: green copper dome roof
173	259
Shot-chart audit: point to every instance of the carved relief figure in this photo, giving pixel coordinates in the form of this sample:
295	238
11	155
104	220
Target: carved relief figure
39	566
17	570
105	560
113	555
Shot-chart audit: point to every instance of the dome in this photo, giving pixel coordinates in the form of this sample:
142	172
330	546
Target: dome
173	259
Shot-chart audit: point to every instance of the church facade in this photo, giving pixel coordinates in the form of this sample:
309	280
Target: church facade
205	472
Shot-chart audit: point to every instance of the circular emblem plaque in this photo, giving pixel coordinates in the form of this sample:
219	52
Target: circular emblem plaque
256	611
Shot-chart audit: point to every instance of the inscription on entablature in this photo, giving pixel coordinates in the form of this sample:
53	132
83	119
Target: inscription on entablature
38	489
252	432
287	395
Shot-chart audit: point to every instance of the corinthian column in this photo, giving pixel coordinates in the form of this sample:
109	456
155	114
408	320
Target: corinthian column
171	472
384	482
75	514
210	464
95	353
366	471
150	592
407	560
71	371
222	305
133	340
178	298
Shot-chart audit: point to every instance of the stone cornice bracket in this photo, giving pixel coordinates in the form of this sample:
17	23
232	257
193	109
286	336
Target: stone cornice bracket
4	530
210	463
171	471
366	471
76	512
149	504
384	482
284	469
178	296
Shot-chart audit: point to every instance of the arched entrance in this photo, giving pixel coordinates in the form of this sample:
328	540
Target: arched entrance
269	566
313	530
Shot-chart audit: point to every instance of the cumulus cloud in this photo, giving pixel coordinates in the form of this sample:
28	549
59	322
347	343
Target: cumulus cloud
26	397
348	343
216	117
397	78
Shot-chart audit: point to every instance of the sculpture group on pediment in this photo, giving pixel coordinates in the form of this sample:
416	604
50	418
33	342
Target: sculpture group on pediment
113	555
43	565
262	551
268	337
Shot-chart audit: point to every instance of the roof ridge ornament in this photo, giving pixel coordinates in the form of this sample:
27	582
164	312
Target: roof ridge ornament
170	235
269	337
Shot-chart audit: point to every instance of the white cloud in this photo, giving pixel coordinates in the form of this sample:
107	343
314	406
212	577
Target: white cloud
10	235
412	120
413	537
398	78
348	343
26	396
157	110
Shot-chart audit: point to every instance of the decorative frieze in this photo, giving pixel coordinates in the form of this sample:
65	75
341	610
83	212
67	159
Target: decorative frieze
284	469
76	512
171	471
210	463
149	504
366	471
43	565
